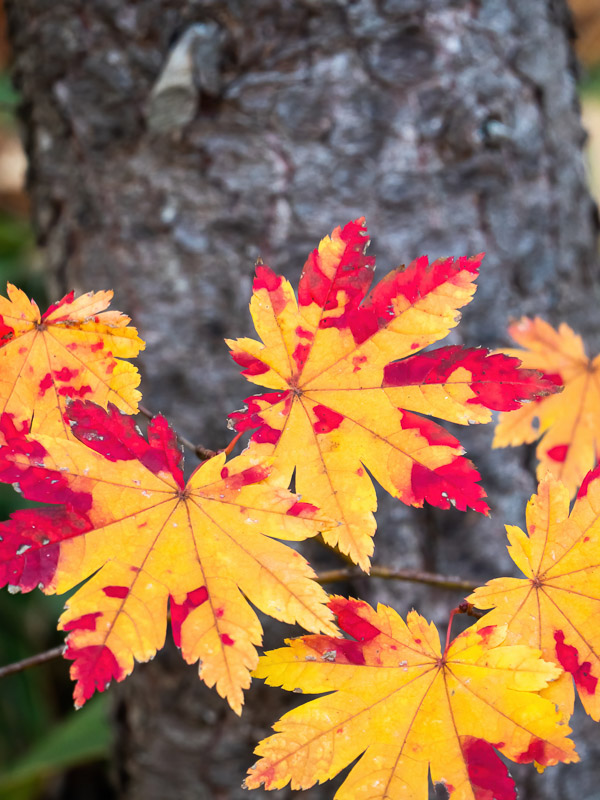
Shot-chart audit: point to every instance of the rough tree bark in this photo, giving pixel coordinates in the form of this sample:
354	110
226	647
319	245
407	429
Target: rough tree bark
452	124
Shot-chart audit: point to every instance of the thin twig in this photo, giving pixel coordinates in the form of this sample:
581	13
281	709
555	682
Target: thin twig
203	453
413	575
32	661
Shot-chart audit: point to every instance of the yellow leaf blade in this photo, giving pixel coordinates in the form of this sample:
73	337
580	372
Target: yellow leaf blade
343	402
404	706
75	350
207	548
557	606
568	423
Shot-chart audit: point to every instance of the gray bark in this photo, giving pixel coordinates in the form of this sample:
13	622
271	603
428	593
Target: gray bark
451	124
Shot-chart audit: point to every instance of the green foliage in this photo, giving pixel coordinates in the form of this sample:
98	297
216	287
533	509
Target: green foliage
78	738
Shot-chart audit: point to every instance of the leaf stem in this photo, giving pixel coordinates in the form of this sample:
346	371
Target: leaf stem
32	661
412	575
461	608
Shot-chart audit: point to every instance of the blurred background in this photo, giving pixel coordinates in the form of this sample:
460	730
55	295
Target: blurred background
46	749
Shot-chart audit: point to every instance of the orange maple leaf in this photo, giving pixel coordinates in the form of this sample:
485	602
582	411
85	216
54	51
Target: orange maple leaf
339	405
405	706
148	540
557	605
73	350
569	422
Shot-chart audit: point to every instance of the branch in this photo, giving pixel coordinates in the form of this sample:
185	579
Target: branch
329	576
413	575
32	661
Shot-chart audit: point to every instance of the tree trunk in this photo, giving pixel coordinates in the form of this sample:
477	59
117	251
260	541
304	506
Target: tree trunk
171	144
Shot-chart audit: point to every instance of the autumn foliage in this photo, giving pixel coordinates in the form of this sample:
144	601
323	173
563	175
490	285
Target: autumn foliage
350	389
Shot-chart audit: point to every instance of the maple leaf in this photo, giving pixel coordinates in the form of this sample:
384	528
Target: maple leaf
73	350
568	422
557	605
404	705
339	405
126	518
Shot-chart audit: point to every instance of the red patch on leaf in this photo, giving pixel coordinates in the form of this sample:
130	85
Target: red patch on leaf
328	420
245	477
300	354
497	380
302	350
70	391
93	668
558	453
350	620
486	632
267	279
538	751
568	658
250	418
554	377
451	484
6	332
97	346
433	433
116	591
85	623
342	651
252	365
45	384
30	544
591	476
357	361
66	300
180	611
488	775
65	374
301	508
227	640
302	333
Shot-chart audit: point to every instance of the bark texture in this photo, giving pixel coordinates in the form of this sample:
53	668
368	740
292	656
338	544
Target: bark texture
171	143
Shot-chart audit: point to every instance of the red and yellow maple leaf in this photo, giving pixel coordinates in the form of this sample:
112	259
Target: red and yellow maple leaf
73	350
557	605
405	706
339	405
570	421
148	540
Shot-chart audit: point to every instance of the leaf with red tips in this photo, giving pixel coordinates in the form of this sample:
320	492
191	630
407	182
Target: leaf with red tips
341	398
74	350
557	603
568	423
123	515
404	707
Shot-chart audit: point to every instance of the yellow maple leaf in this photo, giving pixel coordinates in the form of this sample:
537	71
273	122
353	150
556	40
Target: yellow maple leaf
340	405
126	518
556	606
73	350
569	422
405	706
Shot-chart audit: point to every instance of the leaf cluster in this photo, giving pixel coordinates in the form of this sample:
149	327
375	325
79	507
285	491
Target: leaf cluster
350	379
